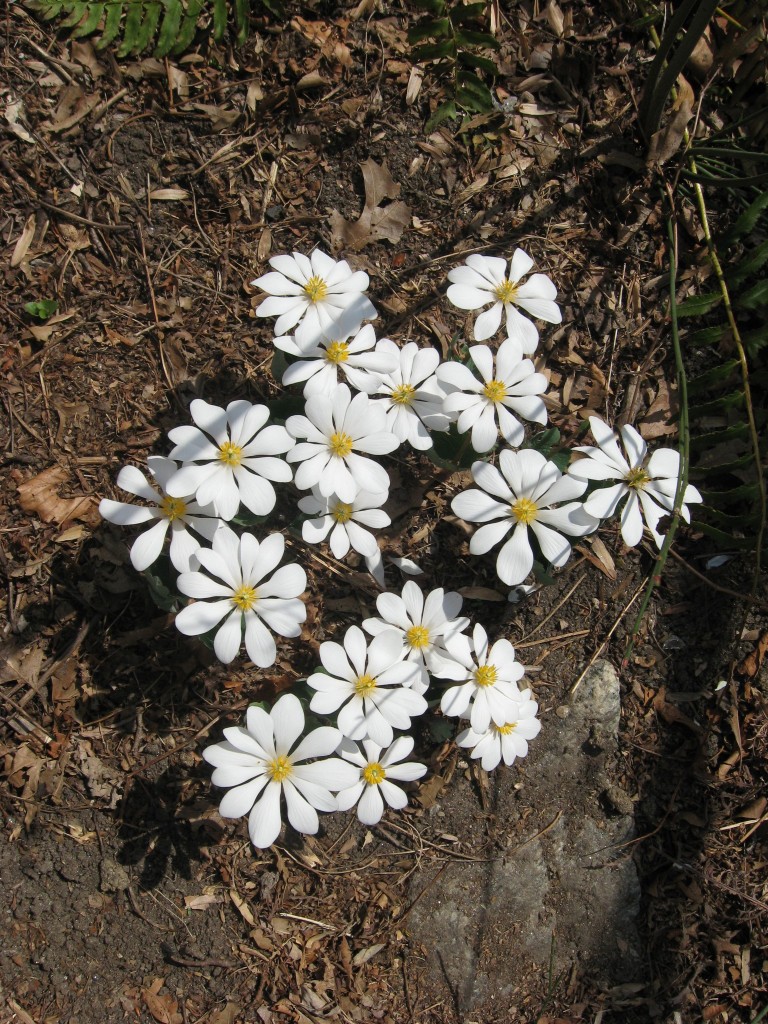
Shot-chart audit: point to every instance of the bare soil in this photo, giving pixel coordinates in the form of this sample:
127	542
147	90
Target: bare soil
144	196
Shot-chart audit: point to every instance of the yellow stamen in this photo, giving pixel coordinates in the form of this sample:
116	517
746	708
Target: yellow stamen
374	774
337	352
342	513
417	638
404	394
173	508
495	391
316	289
485	675
525	511
245	597
280	769
365	685
340	444
637	479
506	291
505	730
231	454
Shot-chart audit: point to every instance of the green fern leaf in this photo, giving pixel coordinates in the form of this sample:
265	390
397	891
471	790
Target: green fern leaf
754	297
219	19
747	222
749	266
699	304
188	26
719	374
169	30
132	26
111	24
242	20
76	15
91	22
152	11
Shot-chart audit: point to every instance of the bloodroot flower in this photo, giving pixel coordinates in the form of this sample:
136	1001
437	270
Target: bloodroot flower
485	279
488	404
181	515
371	682
319	362
522	495
229	457
649	484
316	295
261	762
376	770
243	592
489	683
507	741
413	397
344	521
337	429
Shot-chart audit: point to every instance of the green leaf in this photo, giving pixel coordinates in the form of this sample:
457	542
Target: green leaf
77	12
755	341
725	539
468	37
92	21
436	7
42	308
472	60
452	450
747	222
443	112
131	28
161	588
750	265
714	437
708	336
169	30
242	20
152	11
111	24
697	305
188	26
434	51
219	19
733	400
464	14
470	100
754	297
434	28
717	375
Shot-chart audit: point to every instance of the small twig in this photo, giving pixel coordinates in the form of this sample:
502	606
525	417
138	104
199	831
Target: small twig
69	215
140	913
611	631
749	598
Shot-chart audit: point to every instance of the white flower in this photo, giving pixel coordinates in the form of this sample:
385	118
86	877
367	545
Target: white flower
527	486
414	398
337	427
489	680
345	521
182	514
506	741
423	625
258	763
243	593
371	682
481	404
319	362
228	457
375	770
651	483
485	279
316	295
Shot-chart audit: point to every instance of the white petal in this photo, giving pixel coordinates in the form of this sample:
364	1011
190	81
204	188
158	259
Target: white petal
264	821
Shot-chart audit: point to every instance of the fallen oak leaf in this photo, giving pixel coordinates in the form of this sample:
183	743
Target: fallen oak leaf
40	496
376	221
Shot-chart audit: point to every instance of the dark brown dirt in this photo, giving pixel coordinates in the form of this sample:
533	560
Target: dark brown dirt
125	897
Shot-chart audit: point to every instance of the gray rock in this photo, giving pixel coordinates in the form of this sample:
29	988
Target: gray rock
112	876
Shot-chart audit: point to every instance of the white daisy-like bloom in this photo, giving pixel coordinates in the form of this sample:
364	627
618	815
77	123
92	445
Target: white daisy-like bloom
361	361
261	761
485	279
413	395
489	680
243	592
229	457
424	626
649	484
521	496
337	428
181	515
345	521
315	295
370	683
376	768
507	741
488	405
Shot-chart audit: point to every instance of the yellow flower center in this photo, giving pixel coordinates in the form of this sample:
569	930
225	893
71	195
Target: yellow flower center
524	510
495	391
417	638
506	291
485	675
365	685
340	444
316	289
637	479
231	454
373	773
403	394
173	508
245	597
337	352
504	730
342	513
279	769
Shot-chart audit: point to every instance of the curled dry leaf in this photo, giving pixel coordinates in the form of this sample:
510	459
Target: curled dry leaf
376	221
40	496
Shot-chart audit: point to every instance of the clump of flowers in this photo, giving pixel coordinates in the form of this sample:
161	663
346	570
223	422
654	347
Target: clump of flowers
239	584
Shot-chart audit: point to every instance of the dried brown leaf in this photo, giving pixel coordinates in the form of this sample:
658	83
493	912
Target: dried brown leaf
40	496
666	142
376	221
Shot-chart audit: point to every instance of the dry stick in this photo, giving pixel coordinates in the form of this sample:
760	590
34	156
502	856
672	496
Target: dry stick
68	215
557	607
611	631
